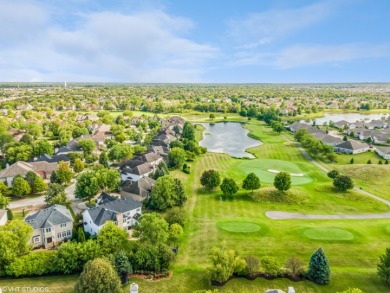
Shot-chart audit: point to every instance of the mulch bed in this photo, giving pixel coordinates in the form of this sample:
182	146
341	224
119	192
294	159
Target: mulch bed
159	277
258	275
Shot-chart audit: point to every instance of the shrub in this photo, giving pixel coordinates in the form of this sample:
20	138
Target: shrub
319	271
295	266
252	265
333	174
270	266
10	215
33	264
369	162
343	183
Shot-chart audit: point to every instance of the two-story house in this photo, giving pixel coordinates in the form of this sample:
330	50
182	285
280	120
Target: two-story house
123	212
51	226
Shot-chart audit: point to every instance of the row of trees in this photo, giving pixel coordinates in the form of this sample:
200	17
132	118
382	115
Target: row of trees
313	146
227	263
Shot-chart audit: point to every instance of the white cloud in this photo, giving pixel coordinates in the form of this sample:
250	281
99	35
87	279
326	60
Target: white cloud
299	55
106	46
274	24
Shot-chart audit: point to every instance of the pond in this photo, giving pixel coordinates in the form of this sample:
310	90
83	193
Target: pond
350	117
228	137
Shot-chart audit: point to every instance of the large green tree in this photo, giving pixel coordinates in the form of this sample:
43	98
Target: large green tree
87	185
20	187
43	147
177	158
210	179
188	131
112	238
152	228
88	145
98	276
229	187
343	182
120	152
251	182
383	268
319	270
282	181
166	193
64	173
108	179
78	165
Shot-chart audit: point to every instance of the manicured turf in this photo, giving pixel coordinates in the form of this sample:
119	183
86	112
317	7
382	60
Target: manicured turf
261	166
241	227
328	234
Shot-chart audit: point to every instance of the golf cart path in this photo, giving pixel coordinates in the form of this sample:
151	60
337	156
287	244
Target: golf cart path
278	215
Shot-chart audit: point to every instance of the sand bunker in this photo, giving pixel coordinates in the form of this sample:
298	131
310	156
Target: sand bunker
291	174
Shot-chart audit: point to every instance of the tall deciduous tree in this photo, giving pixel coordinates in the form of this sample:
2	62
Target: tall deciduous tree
88	146
319	270
64	173
152	228
43	147
20	187
120	152
87	185
112	238
229	187
108	179
188	131
103	159
210	179
78	165
98	276
282	181
177	158
251	182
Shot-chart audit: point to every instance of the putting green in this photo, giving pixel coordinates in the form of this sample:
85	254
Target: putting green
328	234
241	227
261	166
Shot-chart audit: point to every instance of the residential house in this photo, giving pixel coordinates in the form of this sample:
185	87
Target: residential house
85	117
71	147
51	159
384	152
377	124
380	138
163	140
135	169
351	147
159	150
341	124
327	139
3	217
51	226
365	134
123	212
137	190
298	125
42	168
150	157
104	198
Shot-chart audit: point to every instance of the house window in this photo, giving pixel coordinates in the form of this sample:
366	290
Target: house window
63	225
58	235
68	233
48	230
36	239
64	234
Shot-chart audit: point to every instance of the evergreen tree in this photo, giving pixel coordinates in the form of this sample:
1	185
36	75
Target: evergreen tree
80	235
384	266
319	270
103	159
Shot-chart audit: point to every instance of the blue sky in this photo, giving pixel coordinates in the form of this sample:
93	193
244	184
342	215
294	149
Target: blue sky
195	41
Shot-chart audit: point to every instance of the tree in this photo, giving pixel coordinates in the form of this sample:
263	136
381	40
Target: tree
4	201
122	266
295	266
175	215
53	191
333	174
152	228
252	265
345	138
210	179
103	159
18	152
212	116
352	161
27	139
80	235
64	173
229	187
277	126
78	165
161	170
88	145
319	271
224	264
383	268
112	238
98	276
251	182
20	187
282	181
3	187
177	158
120	152
175	232
108	179
343	182
43	147
87	185
38	185
188	131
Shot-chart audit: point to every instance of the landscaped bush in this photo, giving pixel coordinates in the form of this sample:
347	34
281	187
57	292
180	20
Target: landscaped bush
270	266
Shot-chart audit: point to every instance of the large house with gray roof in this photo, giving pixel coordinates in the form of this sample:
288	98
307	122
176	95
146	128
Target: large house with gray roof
352	147
51	226
384	152
138	190
123	212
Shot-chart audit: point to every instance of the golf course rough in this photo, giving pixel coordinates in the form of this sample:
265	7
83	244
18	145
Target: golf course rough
330	234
